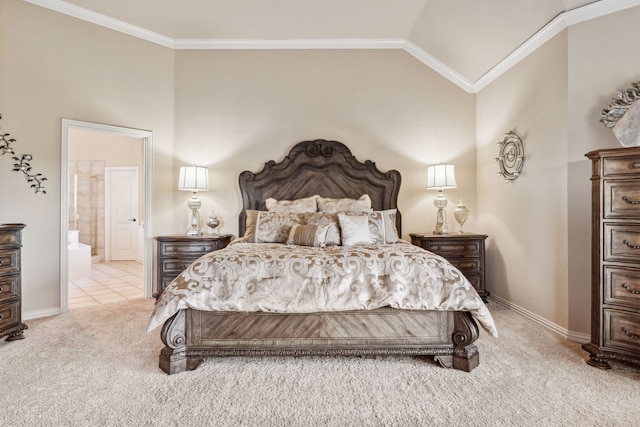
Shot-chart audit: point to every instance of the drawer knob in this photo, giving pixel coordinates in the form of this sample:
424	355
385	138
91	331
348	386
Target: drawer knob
204	248
0	261
629	334
635	165
1	316
631	291
626	242
1	288
631	202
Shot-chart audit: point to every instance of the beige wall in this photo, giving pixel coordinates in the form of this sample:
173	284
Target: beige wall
54	67
527	219
237	109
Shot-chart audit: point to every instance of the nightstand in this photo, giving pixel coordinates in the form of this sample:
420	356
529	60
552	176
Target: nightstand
465	251
176	252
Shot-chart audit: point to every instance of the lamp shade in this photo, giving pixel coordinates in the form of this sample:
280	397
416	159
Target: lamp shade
193	178
441	176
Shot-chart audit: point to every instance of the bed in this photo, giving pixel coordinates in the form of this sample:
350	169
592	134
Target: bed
287	287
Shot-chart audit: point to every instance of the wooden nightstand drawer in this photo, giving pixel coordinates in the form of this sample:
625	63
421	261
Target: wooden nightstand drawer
9	287
457	247
466	264
189	249
622	286
174	266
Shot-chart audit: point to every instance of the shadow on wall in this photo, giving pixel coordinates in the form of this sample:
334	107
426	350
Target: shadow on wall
496	274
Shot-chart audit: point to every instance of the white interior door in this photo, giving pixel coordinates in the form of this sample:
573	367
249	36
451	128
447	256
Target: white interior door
122	213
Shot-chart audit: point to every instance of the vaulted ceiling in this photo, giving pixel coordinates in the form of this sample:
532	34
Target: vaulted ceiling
468	41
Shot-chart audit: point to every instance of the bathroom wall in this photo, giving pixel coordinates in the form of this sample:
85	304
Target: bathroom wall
86	203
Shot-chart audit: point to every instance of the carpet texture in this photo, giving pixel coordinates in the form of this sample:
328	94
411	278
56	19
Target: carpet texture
98	366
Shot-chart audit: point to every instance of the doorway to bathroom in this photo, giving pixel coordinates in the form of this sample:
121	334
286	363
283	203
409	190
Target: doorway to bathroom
105	214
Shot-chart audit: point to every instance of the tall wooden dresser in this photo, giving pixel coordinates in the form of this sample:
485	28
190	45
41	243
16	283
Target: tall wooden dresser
615	261
11	324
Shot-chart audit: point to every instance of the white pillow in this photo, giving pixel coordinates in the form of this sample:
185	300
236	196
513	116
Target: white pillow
343	205
354	229
307	204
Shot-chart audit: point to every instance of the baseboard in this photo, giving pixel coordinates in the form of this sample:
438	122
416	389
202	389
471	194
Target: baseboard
37	314
571	336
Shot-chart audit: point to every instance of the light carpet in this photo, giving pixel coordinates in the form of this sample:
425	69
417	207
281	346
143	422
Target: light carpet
97	366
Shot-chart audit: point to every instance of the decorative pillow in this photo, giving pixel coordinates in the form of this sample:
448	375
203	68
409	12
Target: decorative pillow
308	204
270	227
355	229
331	221
308	235
382	226
343	205
250	226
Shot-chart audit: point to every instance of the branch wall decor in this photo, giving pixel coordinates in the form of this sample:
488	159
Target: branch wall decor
22	163
510	157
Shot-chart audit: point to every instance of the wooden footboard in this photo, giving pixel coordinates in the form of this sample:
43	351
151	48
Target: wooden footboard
192	335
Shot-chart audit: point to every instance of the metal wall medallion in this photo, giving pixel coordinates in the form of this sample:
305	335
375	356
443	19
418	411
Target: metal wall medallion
510	157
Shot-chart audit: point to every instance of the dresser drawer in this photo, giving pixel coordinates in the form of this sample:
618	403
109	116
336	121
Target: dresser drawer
621	165
173	266
466	264
9	286
9	238
9	314
622	199
622	329
192	249
9	261
454	249
622	286
622	242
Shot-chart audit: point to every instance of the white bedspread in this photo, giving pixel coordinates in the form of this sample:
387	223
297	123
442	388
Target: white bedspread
299	279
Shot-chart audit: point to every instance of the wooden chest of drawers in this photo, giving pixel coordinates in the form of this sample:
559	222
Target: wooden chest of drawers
11	324
615	262
177	252
465	251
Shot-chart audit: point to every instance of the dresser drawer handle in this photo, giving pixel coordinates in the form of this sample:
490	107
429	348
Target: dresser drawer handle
1	316
629	334
0	261
626	242
631	202
204	248
631	291
1	288
635	165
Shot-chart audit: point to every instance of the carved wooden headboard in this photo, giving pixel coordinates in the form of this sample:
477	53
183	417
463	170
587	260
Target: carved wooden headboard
325	168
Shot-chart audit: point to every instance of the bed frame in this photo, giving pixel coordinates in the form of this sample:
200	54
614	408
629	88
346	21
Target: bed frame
329	169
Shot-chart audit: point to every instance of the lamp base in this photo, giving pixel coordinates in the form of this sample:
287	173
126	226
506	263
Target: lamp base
193	229
440	202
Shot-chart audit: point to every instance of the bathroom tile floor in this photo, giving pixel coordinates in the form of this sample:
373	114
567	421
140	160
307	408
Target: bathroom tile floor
113	281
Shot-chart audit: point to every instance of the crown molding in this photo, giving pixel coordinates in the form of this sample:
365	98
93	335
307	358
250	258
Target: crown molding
546	33
289	44
555	26
104	21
